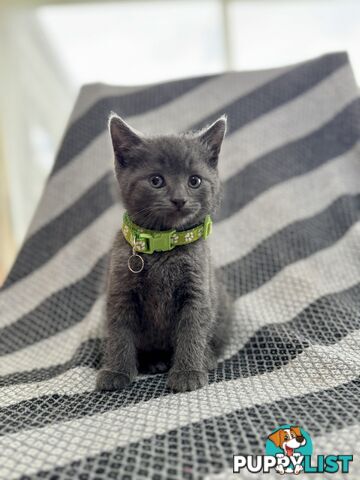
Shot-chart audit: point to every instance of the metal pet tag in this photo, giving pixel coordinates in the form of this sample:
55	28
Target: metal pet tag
135	258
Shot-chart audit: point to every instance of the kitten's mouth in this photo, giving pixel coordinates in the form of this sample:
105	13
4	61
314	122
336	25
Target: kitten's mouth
183	212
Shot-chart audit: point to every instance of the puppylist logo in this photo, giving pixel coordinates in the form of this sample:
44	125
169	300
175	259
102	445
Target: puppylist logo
288	449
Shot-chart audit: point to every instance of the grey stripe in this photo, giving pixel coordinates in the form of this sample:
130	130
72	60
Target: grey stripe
218	438
291	121
241	276
88	354
49	240
326	321
294	242
94	121
278	91
293	159
299	198
67	306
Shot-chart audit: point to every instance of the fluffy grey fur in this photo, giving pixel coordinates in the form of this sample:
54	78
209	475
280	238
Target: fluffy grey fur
175	313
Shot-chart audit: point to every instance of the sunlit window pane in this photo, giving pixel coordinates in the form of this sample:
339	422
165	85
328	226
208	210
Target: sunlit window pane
272	33
136	42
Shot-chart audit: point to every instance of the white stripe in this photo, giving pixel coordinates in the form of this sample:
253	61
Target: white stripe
93	93
336	364
66	187
201	102
75	381
283	204
60	443
70	264
58	348
299	284
288	122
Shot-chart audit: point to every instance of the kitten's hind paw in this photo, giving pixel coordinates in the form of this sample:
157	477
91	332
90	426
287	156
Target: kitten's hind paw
108	380
186	380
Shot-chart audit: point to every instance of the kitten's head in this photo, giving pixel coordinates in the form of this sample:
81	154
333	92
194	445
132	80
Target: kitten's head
168	181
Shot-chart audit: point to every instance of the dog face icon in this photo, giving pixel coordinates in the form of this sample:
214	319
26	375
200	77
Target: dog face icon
288	439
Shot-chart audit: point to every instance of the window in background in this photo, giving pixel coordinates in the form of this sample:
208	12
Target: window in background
266	34
35	100
136	42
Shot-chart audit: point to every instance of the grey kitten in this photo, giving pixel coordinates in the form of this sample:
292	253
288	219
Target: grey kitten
174	313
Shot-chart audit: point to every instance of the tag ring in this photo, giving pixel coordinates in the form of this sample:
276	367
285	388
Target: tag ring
133	270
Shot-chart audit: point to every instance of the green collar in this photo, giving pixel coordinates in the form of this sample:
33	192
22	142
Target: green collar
150	241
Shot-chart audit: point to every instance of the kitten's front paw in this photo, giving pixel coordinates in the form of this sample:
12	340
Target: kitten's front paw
182	381
108	380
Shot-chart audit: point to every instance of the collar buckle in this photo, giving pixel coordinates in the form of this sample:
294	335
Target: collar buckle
157	242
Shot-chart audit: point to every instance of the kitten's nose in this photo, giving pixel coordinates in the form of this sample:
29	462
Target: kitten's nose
178	202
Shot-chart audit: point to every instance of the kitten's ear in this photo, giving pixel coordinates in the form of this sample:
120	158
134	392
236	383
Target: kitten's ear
213	137
123	137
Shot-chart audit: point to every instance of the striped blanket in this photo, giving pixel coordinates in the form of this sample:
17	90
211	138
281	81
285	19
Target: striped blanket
287	239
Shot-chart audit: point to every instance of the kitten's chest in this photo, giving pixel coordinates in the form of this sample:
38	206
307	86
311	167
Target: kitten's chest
160	287
163	278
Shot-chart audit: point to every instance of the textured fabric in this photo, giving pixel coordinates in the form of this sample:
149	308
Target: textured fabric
290	168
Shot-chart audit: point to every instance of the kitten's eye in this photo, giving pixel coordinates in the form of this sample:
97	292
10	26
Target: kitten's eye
157	181
194	181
